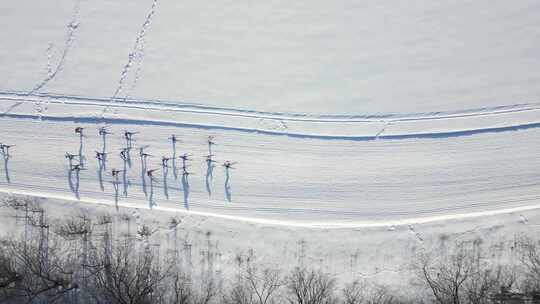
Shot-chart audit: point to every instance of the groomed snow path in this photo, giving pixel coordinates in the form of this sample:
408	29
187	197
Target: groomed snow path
292	169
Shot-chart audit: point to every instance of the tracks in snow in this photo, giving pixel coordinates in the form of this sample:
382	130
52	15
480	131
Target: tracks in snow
136	55
339	127
308	183
408	222
72	28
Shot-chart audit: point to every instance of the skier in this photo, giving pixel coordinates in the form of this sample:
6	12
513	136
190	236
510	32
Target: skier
115	172
173	139
210	144
70	156
103	131
101	156
124	154
129	135
5	149
76	167
165	161
143	154
150	173
185	157
229	165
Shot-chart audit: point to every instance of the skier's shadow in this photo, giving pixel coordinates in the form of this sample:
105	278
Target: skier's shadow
209	175
228	192
6	167
100	174
104	151
104	142
143	175
116	185
165	185
175	171
185	189
129	142
151	202
77	183
126	157
125	181
70	180
81	150
70	175
74	182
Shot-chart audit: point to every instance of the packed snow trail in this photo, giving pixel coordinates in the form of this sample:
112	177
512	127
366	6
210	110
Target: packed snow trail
340	127
283	179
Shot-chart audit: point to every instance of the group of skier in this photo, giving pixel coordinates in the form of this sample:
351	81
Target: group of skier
76	161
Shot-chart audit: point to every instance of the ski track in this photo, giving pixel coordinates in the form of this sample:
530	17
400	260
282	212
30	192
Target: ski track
34	192
200	108
325	209
370	127
70	37
285	176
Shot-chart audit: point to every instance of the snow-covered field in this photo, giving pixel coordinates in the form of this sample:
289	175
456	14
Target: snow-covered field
385	255
377	169
338	57
367	117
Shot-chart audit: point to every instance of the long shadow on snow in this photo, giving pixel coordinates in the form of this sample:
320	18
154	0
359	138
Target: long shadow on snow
185	190
6	167
125	121
165	185
143	175
125	180
209	176
74	182
228	192
100	175
81	150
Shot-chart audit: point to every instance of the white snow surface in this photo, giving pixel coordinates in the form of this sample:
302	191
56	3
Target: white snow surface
364	131
298	170
383	255
320	57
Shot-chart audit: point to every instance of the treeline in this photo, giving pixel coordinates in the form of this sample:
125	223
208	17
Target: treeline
83	259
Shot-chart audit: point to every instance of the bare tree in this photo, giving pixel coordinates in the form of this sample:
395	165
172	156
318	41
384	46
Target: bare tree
239	293
464	276
485	282
254	284
360	292
381	295
184	290
40	279
310	287
262	283
354	293
446	277
9	275
78	229
530	259
134	276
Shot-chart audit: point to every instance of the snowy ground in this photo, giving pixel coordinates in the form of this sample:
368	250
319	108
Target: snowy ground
338	57
362	131
384	255
412	169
